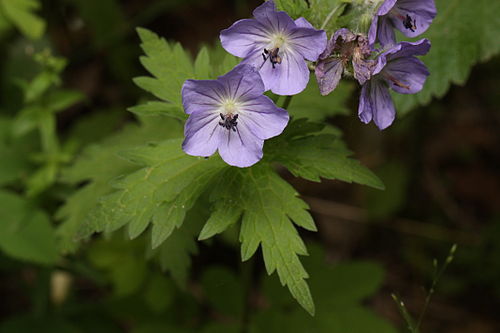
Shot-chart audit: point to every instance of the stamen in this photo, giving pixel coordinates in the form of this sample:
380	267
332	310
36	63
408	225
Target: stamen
396	82
273	56
229	121
409	23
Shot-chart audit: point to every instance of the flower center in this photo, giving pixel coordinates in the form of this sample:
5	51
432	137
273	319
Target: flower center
229	117
229	121
272	54
409	22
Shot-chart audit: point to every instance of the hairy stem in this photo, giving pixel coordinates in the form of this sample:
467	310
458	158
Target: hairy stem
330	15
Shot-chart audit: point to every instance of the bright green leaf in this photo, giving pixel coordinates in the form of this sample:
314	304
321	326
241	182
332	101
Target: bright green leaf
20	12
26	231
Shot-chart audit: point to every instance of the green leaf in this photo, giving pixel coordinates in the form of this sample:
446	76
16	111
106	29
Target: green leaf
294	8
311	105
159	294
161	192
123	261
20	13
270	205
12	154
227	211
314	157
174	254
159	109
339	291
60	100
26	231
202	67
96	166
463	33
168	63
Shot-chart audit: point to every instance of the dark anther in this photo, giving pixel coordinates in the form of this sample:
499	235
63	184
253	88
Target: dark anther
272	55
409	23
229	122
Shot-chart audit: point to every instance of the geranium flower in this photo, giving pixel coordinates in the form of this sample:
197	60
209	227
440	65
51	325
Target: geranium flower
343	48
230	115
277	45
411	17
398	69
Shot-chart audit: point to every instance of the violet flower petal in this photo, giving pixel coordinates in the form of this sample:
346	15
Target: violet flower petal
405	49
240	148
264	120
309	43
385	31
241	38
203	134
376	25
421	11
201	95
328	74
376	103
405	75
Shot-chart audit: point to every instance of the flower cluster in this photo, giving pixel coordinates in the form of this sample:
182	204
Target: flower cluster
392	65
231	115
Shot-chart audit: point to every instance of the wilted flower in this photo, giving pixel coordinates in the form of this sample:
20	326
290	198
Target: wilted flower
411	17
277	46
343	48
231	115
398	69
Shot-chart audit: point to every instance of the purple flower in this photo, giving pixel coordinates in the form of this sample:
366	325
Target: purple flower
277	46
231	115
398	69
343	48
411	17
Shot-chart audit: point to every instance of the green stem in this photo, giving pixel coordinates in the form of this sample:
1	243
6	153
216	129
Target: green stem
330	15
437	277
287	101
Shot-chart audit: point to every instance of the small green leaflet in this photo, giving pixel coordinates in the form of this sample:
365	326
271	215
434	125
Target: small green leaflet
169	64
463	33
20	13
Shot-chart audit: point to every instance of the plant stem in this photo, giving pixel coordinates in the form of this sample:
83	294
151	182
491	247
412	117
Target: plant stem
437	277
286	103
330	15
